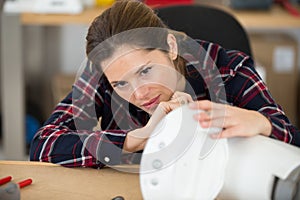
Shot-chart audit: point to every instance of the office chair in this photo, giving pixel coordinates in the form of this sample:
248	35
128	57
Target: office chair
206	23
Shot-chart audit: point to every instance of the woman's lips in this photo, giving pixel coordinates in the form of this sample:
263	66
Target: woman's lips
152	103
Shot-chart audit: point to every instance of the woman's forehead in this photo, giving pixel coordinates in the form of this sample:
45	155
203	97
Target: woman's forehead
132	58
125	57
125	64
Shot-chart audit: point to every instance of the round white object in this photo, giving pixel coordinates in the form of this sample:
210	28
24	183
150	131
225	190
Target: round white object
181	161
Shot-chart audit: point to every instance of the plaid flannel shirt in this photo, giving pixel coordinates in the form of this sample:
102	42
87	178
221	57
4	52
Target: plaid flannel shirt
68	137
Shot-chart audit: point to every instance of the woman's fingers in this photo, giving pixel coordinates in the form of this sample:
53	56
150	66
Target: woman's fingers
178	99
208	106
169	106
233	120
210	122
211	114
181	95
181	98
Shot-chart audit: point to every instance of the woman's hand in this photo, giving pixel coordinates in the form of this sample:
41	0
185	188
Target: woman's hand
234	121
136	139
178	99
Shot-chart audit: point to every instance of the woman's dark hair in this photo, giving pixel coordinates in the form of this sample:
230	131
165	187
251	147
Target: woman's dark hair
134	17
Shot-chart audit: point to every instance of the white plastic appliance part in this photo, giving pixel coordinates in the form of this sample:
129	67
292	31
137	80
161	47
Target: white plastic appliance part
181	161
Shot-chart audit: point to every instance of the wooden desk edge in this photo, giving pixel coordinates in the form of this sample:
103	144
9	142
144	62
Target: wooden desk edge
28	163
120	168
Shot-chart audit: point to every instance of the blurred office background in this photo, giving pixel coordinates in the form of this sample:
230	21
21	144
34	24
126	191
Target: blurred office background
52	55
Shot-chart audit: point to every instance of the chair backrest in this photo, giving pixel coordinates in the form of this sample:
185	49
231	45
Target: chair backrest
206	23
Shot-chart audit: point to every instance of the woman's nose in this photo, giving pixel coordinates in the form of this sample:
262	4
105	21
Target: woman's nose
141	92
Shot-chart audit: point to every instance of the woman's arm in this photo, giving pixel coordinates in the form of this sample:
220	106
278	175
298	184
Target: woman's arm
68	138
252	111
256	96
59	141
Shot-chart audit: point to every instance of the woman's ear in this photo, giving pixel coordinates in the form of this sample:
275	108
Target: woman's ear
173	49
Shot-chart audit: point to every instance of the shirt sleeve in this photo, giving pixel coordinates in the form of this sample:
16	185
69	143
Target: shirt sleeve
68	136
59	141
247	90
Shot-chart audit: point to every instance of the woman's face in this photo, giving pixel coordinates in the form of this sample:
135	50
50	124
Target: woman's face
143	78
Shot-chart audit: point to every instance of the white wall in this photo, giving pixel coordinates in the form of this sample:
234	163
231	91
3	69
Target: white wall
72	47
48	51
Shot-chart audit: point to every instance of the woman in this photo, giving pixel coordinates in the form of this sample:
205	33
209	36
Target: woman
137	72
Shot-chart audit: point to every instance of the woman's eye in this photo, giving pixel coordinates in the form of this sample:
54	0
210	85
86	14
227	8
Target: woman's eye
145	71
120	84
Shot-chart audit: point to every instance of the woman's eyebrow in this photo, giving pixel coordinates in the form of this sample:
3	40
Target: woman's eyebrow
142	67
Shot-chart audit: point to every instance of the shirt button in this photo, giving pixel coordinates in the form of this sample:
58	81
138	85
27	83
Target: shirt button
106	159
